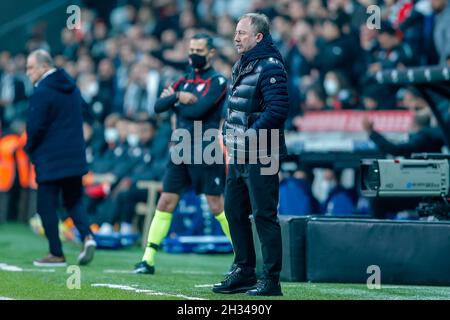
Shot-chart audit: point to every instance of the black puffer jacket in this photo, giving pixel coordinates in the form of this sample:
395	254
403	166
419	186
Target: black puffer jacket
257	98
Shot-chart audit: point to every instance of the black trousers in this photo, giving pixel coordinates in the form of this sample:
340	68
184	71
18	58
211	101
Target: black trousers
248	192
122	207
48	197
127	201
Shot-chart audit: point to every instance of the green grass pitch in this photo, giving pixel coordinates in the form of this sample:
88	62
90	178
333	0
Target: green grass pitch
178	276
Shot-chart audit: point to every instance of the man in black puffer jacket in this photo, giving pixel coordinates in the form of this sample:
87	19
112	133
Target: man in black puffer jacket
257	100
56	147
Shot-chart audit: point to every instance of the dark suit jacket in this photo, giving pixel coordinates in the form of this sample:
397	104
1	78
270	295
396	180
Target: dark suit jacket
55	141
428	140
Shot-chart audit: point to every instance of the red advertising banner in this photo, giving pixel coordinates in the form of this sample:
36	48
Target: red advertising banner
351	121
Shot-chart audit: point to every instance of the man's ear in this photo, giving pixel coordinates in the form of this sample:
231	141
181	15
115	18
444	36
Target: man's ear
212	52
259	37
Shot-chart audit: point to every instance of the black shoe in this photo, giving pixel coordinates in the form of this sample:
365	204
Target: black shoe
232	268
236	282
144	268
266	287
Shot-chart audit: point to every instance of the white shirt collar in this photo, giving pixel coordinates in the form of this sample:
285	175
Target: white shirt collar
45	75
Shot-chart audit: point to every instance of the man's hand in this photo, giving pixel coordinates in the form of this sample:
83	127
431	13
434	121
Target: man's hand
297	122
375	67
123	185
367	125
186	97
167	92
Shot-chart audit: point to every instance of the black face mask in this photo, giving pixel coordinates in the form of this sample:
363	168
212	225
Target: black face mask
197	61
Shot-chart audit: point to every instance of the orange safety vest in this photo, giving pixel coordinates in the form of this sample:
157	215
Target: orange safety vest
8	145
12	156
27	173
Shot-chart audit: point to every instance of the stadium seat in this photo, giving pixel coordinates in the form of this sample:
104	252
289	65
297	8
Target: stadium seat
296	198
148	209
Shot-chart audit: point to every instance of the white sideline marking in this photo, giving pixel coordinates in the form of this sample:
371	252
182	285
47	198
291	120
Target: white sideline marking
7	267
12	268
173	271
193	272
5	298
203	285
117	271
39	270
145	291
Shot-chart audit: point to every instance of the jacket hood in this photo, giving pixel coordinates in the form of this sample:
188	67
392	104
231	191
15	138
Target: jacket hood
264	49
60	81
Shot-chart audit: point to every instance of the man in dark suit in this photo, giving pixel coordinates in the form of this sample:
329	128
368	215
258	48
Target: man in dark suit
422	138
56	147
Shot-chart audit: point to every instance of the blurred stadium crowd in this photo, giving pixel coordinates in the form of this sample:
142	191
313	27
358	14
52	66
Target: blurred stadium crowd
123	56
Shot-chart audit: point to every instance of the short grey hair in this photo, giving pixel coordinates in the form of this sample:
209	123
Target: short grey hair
42	57
259	21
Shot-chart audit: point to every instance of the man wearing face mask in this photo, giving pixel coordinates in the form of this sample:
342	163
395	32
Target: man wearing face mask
339	92
198	96
122	155
150	167
111	136
142	162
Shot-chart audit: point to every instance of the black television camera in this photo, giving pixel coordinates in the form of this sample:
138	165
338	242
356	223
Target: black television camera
425	175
